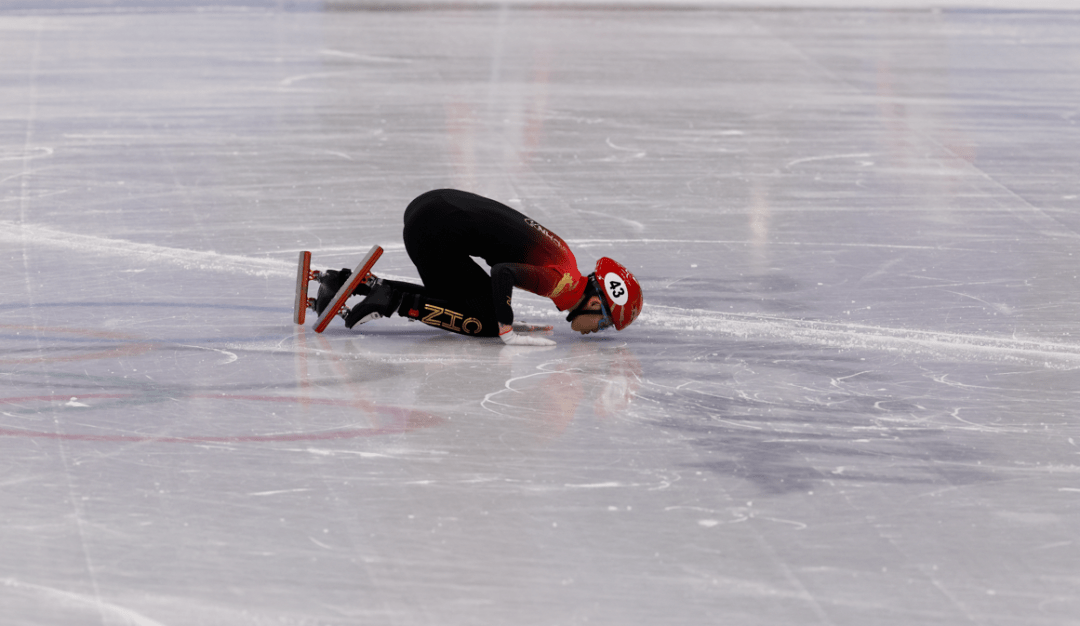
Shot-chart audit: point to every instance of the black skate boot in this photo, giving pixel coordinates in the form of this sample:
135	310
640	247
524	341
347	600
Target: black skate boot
329	283
381	301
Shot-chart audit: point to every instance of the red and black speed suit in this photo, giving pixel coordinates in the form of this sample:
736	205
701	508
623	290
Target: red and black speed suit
445	227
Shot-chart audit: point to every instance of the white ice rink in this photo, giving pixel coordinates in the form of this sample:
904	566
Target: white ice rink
851	398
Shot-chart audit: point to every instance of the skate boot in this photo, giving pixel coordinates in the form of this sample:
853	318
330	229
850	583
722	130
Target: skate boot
381	301
329	283
364	288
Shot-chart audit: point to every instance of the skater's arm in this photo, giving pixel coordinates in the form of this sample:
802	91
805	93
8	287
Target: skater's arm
506	276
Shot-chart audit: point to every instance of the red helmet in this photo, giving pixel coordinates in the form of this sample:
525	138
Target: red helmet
619	292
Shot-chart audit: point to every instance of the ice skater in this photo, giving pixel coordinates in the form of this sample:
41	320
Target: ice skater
444	229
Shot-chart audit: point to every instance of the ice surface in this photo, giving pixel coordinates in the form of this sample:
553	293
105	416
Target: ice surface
851	398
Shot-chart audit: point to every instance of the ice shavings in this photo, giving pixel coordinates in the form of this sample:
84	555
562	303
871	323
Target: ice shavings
13	233
843	335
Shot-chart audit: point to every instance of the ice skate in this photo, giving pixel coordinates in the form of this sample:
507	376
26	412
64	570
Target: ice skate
335	287
381	301
329	283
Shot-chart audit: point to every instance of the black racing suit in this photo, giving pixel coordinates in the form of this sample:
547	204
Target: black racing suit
445	227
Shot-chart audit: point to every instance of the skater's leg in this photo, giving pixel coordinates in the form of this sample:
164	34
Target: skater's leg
457	298
332	280
405	287
456	291
434	233
472	317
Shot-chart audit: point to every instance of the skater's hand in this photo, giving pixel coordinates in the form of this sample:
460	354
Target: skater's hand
510	338
513	339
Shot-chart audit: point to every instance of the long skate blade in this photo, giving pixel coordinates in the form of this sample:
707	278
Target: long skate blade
303	274
358	276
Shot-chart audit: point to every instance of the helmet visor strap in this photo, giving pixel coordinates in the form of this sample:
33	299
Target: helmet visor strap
604	312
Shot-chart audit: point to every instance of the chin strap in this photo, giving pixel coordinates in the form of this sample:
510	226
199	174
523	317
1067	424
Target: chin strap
593	289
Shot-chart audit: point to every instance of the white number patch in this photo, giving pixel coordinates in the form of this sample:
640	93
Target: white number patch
616	288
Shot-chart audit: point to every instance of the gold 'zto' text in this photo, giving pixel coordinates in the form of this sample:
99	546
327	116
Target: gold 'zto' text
451	320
